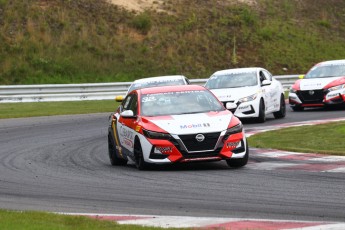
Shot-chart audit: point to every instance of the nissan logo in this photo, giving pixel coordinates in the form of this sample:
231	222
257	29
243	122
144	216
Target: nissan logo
200	137
311	92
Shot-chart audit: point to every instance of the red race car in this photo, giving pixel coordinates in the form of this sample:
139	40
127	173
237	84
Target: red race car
173	124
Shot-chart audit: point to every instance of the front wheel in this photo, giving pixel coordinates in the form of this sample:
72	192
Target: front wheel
114	159
282	109
139	157
240	162
262	113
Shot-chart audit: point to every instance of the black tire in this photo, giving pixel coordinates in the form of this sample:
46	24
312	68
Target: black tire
297	108
262	116
114	159
237	163
139	157
282	109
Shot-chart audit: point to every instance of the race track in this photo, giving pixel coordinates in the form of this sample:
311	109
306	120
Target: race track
61	164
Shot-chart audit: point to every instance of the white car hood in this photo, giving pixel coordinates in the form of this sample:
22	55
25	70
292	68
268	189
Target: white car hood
234	94
316	83
194	123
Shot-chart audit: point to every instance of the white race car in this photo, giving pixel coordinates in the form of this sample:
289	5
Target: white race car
156	81
323	85
175	124
249	92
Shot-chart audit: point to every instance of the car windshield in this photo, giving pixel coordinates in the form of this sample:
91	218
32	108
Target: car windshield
184	102
154	83
326	71
232	80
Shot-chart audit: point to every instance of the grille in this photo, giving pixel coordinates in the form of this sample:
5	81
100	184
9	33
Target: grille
201	154
192	144
305	96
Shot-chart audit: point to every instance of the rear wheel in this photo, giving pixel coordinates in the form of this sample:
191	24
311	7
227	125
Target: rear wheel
114	159
262	116
240	162
282	109
139	157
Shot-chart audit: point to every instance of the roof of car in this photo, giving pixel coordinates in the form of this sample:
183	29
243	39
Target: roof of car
173	88
237	70
169	77
332	62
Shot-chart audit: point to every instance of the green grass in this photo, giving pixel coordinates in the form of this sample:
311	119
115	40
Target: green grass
16	110
85	41
325	139
12	220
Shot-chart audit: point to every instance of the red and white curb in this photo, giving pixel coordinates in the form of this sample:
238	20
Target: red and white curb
213	223
284	160
292	124
311	162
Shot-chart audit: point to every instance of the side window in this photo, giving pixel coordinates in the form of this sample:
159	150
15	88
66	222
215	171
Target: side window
126	103
262	76
134	104
268	75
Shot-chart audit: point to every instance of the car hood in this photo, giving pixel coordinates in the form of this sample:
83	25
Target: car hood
193	123
233	94
316	83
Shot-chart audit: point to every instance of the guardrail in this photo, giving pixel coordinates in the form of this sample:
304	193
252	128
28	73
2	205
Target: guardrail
80	92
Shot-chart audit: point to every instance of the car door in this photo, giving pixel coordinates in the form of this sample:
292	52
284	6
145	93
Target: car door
274	92
126	125
265	89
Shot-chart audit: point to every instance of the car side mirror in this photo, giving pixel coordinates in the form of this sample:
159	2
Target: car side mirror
230	105
265	82
301	76
127	114
119	98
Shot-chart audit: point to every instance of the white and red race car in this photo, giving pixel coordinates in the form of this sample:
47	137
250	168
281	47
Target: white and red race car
251	92
173	124
323	85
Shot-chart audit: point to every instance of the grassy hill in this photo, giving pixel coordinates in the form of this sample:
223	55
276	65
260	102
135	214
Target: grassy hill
74	41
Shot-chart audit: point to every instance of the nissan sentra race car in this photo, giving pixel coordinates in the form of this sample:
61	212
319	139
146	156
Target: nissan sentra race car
252	92
175	124
323	85
156	81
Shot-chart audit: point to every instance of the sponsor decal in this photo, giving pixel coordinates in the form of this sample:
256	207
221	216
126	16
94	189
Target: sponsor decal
166	149
127	137
232	144
311	85
243	107
193	126
333	95
137	128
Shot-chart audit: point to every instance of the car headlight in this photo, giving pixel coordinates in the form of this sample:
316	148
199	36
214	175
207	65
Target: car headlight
249	98
337	87
235	129
156	135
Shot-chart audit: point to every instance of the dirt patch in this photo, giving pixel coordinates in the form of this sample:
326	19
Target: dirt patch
141	5
138	5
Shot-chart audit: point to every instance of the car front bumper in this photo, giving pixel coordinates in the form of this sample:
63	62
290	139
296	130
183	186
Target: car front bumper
316	98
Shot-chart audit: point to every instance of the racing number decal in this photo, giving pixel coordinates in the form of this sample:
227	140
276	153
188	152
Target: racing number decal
113	125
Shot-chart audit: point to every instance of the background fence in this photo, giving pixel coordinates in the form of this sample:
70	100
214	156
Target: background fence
79	92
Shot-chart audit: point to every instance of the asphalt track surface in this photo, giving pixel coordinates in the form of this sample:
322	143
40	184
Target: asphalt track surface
60	164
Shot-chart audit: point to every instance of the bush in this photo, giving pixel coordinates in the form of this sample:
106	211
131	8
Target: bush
142	23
